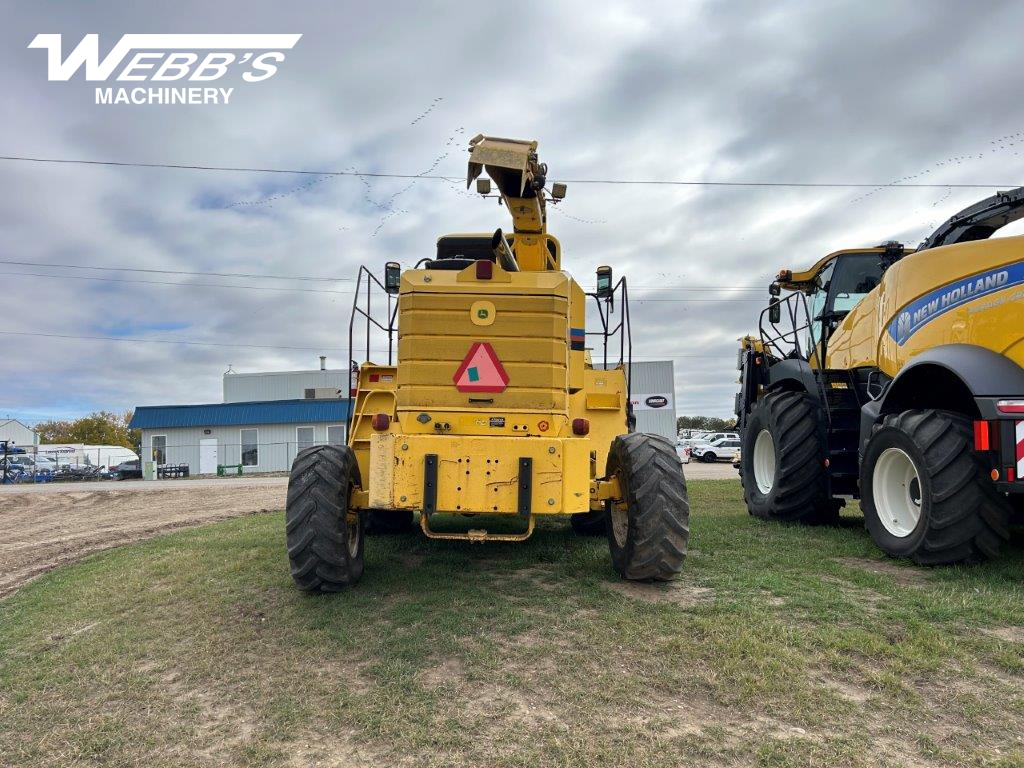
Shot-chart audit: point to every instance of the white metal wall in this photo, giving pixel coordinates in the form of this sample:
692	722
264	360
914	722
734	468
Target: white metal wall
281	385
278	444
17	432
652	389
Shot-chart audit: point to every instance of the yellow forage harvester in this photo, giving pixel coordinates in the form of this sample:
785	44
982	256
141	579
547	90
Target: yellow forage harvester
895	376
493	407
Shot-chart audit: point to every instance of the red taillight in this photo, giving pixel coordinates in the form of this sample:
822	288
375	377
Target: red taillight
374	377
1010	406
1011	476
484	269
981	436
580	427
380	422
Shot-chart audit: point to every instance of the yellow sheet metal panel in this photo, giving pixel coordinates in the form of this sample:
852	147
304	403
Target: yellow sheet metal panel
480	474
606	423
928	295
382	470
524	322
485	420
577	336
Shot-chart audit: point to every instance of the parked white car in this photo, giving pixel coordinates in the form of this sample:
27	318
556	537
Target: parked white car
683	450
722	448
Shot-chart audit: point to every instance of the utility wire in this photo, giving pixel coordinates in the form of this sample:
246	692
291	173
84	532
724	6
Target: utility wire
177	271
362	174
302	290
170	282
731	353
308	278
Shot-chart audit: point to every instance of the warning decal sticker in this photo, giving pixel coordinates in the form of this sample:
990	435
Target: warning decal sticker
481	371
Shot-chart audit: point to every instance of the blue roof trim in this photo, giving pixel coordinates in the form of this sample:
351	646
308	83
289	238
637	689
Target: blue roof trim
239	414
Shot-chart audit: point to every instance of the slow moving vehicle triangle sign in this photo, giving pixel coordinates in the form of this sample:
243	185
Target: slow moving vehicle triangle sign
481	371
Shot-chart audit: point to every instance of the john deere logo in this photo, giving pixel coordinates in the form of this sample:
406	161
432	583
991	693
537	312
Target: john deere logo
656	401
482	313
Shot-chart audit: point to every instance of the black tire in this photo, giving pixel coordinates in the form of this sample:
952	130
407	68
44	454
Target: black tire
962	518
798	491
325	548
388	521
709	458
593	523
648	538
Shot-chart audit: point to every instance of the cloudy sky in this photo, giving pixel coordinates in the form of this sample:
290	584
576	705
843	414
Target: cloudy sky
861	93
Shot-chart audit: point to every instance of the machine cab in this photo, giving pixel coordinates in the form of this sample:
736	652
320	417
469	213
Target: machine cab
835	285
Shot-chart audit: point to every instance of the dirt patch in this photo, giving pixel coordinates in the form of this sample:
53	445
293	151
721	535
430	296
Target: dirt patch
906	576
45	530
675	592
1009	634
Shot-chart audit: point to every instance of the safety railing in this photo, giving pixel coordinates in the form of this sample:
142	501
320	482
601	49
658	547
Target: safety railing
793	336
612	331
380	315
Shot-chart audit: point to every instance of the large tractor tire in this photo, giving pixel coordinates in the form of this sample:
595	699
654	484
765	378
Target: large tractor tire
924	493
592	523
388	521
782	461
648	534
325	543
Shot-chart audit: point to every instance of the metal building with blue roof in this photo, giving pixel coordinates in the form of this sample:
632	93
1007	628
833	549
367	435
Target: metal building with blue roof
256	435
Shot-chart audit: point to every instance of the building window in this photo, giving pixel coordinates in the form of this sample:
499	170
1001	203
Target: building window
250	439
305	437
336	434
160	449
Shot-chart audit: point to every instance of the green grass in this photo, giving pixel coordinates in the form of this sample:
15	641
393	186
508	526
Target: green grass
778	646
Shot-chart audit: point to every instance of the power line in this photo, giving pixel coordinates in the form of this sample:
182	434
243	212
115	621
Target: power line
310	278
303	290
730	353
176	271
91	278
381	175
181	285
163	341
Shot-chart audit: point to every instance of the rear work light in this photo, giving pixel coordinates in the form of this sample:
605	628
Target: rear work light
484	269
1010	406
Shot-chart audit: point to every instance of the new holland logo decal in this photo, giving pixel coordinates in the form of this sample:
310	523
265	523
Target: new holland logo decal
481	371
922	311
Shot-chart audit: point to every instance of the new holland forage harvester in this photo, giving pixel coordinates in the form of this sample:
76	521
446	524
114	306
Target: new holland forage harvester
902	384
494	406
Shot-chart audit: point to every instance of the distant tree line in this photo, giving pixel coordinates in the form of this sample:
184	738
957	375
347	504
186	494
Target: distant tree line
100	428
706	423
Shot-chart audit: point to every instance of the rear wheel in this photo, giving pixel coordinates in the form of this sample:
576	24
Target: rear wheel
782	460
710	457
325	541
925	494
648	532
589	523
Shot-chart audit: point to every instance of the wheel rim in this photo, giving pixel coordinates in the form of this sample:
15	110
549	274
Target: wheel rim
896	490
353	531
764	461
620	523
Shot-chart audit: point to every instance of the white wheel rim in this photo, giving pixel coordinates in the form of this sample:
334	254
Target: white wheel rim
896	490
620	524
764	461
353	531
